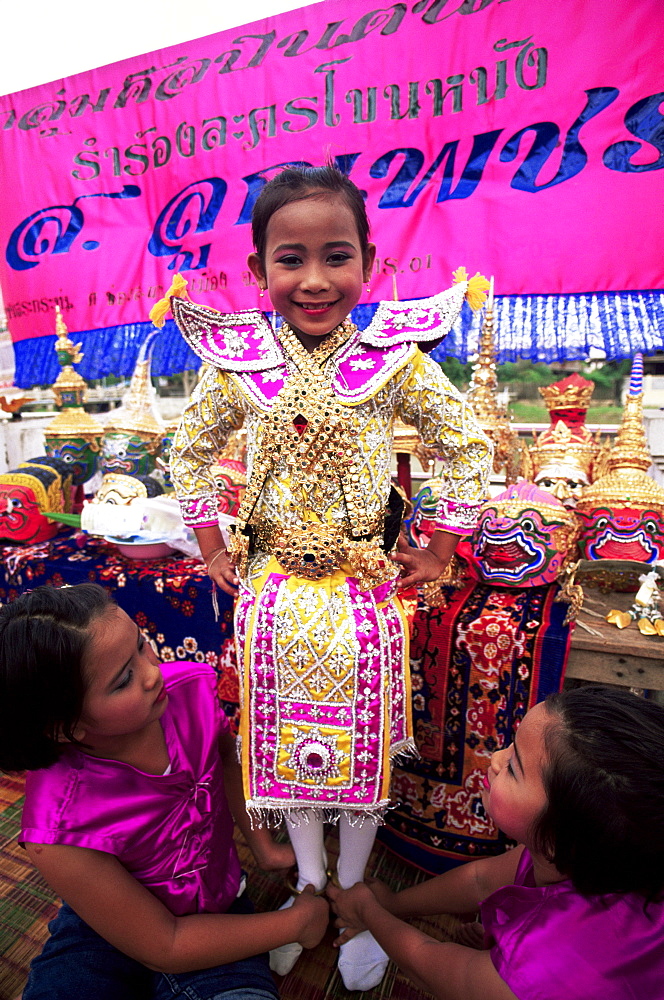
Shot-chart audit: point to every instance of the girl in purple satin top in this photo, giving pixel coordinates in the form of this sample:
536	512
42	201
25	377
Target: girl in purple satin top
131	773
576	911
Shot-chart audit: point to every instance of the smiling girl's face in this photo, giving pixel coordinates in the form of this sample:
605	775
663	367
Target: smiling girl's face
125	688
313	265
514	794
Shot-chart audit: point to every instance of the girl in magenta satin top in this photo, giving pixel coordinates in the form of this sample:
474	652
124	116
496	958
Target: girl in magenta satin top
576	911
131	773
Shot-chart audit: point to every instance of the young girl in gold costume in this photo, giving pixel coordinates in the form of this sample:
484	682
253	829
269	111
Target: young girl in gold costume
321	635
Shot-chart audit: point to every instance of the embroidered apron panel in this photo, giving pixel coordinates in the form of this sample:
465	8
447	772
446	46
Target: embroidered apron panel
325	694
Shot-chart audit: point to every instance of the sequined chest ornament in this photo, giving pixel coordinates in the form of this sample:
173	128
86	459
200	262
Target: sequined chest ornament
307	433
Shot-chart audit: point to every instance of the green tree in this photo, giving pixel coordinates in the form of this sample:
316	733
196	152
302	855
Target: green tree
458	373
610	377
536	373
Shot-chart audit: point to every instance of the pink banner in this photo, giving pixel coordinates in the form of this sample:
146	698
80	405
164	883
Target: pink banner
522	138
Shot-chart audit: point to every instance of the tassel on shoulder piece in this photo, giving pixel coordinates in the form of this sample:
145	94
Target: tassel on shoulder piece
477	287
177	290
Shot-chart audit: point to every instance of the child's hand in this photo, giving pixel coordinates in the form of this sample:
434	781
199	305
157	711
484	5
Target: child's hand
348	904
222	571
273	857
471	935
314	914
418	565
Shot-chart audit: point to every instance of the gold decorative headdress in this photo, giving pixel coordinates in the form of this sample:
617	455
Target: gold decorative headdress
568	447
622	488
570	393
74	422
627	484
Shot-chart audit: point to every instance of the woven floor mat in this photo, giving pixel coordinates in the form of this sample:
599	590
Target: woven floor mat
26	902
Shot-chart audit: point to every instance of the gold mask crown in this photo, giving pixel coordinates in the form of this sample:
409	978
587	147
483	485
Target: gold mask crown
560	446
571	393
623	487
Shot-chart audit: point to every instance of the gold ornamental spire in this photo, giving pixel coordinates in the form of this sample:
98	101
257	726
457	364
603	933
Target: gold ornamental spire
70	392
71	352
482	394
138	412
69	388
630	449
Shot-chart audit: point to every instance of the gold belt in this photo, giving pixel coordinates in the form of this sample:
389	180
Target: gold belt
312	552
317	550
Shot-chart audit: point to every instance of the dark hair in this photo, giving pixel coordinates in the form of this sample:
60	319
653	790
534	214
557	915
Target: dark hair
297	183
52	462
603	825
44	636
153	487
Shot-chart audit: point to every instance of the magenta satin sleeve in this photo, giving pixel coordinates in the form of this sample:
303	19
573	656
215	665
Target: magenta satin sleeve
550	942
173	832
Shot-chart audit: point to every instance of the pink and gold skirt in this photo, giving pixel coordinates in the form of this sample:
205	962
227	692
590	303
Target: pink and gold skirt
325	694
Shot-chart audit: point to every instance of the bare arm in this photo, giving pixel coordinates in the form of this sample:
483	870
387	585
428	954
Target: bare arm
460	890
104	894
449	971
269	855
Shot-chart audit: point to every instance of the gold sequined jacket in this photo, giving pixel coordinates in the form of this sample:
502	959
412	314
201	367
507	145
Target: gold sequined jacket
320	427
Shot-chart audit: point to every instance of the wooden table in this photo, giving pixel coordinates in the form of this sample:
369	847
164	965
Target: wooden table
614	656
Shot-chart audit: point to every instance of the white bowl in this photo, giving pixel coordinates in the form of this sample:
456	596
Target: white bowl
141	548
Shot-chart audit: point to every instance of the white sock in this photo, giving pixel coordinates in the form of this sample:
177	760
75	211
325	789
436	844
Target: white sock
283	959
355	846
307	836
362	961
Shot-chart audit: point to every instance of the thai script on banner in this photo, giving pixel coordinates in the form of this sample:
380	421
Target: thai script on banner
517	137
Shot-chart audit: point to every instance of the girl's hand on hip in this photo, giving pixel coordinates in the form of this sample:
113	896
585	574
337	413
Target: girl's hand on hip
222	571
418	565
315	915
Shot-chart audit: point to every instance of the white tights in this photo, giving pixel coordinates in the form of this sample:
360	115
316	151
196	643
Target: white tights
355	845
362	962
